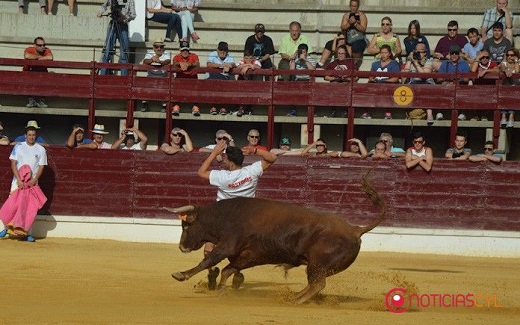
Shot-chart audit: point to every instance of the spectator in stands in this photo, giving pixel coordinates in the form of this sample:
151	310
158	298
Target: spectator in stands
320	149
4	140
39	51
419	154
472	48
386	63
342	63
330	50
221	59
510	67
488	155
42	3
454	65
261	46
415	37
288	48
459	151
157	57
131	139
354	24
498	44
186	9
98	137
186	61
418	62
483	65
32	124
285	148
248	63
390	151
501	14
220	136
180	141
120	18
77	137
69	2
380	151
356	149
253	143
155	11
385	37
442	50
303	61
18	213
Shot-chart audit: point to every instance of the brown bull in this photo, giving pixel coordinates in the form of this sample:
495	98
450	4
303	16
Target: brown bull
250	232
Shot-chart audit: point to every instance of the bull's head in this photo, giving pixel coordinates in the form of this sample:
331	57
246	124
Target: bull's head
192	233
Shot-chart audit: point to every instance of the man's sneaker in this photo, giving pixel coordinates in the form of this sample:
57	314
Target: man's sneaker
503	122
144	106
212	278
175	110
222	111
388	116
28	238
292	112
195	110
366	115
238	279
462	117
3	233
510	124
32	103
240	111
429	120
41	104
439	116
213	111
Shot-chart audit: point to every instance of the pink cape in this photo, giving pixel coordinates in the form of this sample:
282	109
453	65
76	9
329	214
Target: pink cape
21	207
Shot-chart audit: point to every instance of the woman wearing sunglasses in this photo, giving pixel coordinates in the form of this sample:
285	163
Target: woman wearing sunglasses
385	37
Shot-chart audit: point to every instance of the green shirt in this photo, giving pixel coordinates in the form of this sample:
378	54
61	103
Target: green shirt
289	46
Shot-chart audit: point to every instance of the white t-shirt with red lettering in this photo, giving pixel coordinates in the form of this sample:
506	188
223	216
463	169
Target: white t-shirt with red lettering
236	183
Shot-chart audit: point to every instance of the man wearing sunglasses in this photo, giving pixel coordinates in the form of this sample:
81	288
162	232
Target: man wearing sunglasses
419	154
40	52
454	65
157	57
180	141
488	155
253	142
442	50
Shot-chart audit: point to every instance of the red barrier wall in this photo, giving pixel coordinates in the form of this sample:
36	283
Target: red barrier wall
455	195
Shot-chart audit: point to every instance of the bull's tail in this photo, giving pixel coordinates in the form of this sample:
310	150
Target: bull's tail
376	199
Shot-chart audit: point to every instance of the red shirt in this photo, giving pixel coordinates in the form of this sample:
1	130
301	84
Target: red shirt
32	50
192	58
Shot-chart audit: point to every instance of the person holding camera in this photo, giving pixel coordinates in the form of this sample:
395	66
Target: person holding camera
354	24
418	62
129	139
121	13
302	61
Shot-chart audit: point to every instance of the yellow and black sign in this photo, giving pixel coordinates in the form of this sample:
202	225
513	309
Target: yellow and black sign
403	96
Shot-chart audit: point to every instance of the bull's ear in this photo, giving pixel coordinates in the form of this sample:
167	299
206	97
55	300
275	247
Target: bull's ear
183	217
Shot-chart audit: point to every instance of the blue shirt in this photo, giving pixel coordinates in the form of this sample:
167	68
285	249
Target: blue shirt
214	58
471	50
393	66
448	67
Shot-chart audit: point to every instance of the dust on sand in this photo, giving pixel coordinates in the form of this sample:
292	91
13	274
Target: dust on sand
101	281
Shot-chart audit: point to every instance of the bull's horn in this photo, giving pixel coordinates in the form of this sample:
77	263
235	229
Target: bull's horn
186	208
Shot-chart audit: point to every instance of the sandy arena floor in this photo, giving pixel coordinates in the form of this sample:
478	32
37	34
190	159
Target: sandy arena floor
104	282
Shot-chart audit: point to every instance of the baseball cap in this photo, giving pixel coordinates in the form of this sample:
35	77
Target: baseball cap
184	46
223	46
454	49
285	141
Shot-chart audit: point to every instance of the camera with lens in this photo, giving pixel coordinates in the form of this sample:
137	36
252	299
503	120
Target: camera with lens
116	10
416	55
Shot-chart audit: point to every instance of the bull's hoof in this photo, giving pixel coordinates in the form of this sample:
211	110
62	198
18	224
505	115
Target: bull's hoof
179	276
238	279
212	278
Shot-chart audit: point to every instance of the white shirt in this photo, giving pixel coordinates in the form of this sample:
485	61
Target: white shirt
136	146
152	4
236	183
24	154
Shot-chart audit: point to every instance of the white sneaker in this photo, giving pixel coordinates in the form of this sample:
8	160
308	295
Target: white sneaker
462	117
510	124
439	116
503	122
